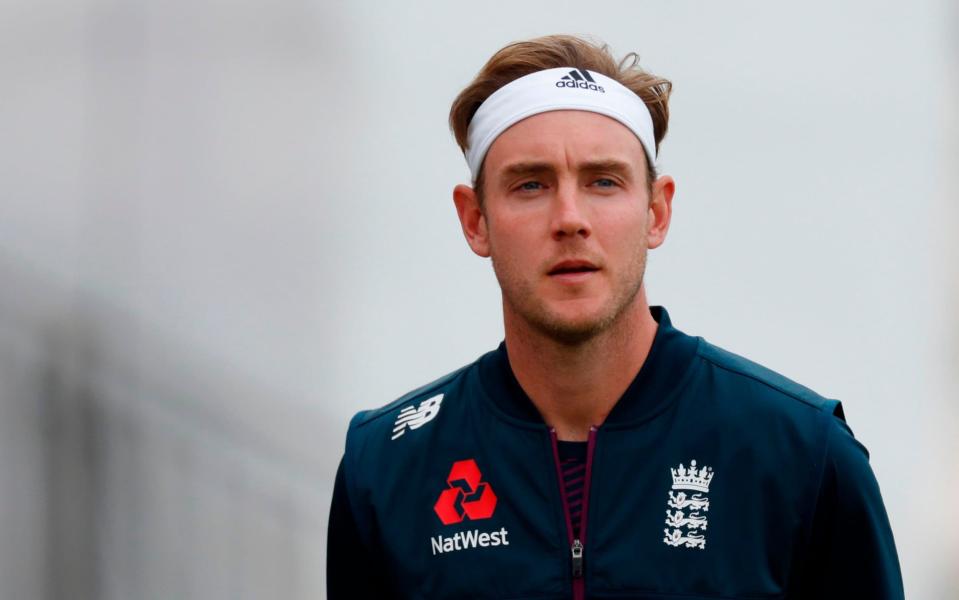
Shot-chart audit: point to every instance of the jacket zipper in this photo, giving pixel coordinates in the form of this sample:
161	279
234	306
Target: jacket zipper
577	540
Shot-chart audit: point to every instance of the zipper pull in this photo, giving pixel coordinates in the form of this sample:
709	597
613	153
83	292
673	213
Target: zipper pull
577	550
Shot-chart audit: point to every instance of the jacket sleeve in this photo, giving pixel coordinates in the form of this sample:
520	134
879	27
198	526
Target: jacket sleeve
852	553
353	568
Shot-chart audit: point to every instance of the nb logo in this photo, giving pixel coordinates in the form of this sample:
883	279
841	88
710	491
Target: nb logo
467	496
414	418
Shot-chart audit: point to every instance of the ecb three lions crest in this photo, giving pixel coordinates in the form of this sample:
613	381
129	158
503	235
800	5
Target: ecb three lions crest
687	504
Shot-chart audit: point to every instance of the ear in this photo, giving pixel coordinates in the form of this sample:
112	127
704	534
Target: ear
472	219
660	211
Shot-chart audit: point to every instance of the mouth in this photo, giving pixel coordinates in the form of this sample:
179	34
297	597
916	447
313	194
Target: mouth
569	269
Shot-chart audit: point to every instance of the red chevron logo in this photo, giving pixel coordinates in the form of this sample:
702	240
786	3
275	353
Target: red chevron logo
467	497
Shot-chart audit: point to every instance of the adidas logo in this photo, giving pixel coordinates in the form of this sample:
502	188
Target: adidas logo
580	78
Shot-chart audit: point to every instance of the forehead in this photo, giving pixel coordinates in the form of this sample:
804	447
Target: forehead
565	137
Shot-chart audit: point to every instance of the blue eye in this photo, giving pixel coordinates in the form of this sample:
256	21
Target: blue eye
605	182
530	185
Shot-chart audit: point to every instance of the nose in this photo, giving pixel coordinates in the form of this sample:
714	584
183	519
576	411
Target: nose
569	217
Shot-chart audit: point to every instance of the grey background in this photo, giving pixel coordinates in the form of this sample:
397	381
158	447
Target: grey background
227	226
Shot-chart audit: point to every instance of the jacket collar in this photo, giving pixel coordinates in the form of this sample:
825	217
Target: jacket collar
661	375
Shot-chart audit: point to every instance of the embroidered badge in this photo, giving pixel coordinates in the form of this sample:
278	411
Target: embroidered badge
685	521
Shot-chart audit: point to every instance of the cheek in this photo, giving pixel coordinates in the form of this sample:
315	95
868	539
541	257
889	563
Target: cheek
516	236
623	234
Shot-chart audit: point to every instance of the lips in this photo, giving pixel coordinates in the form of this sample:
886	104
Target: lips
573	267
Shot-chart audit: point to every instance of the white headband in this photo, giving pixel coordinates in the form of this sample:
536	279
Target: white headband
564	88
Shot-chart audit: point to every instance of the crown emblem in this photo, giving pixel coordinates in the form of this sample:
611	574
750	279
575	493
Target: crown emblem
692	478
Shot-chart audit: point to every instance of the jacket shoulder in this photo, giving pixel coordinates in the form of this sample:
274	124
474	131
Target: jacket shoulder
439	386
777	384
369	436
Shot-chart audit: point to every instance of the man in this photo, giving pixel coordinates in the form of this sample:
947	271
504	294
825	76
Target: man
599	451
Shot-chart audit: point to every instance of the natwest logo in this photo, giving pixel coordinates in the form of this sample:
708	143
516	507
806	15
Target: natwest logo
467	496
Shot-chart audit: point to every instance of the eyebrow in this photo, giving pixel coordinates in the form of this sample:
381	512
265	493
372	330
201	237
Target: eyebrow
607	164
532	168
526	168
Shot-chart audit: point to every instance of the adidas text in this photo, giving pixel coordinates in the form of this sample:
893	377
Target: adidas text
464	540
580	84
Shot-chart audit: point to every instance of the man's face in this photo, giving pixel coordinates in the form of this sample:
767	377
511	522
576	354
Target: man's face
565	220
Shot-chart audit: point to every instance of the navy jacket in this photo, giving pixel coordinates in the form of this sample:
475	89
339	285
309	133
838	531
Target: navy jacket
712	477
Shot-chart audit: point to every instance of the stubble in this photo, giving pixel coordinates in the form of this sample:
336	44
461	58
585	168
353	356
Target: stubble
521	297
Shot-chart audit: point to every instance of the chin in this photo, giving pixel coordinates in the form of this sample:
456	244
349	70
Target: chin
573	331
571	322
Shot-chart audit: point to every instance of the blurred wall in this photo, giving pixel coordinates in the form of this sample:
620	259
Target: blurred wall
226	226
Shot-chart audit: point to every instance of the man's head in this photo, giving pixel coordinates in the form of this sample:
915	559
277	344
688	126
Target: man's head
566	202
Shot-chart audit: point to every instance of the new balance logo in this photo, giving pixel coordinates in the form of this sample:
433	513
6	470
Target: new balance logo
467	495
414	418
580	78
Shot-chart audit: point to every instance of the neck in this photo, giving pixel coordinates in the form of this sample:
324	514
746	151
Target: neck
575	387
